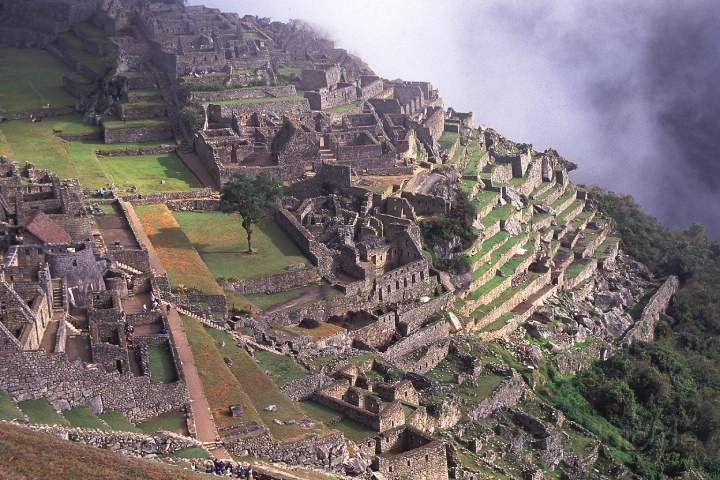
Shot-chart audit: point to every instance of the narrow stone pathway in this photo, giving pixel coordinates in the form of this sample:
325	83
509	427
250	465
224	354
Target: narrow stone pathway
205	428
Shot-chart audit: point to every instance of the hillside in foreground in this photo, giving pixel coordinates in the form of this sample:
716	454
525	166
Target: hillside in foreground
27	454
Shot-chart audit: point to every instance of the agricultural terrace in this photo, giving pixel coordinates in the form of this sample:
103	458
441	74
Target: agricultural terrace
31	79
221	242
41	144
184	265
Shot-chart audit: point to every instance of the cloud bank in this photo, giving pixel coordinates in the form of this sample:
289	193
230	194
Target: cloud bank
628	90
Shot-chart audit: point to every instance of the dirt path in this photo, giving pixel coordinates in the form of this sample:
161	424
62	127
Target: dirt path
206	431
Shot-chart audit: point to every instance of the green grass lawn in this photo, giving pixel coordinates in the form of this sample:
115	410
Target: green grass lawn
482	388
448	139
221	387
354	431
8	409
31	78
117	421
171	422
264	301
282	369
83	417
25	141
162	366
345	107
193	452
221	241
41	412
145	172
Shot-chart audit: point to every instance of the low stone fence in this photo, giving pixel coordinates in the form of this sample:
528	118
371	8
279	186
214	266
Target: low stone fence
278	282
135	152
125	443
165	197
42	113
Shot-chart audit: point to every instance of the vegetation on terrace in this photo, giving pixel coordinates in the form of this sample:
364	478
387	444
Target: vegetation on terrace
30	79
220	240
39	144
657	404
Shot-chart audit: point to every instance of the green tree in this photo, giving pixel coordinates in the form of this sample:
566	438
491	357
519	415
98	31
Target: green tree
193	116
253	198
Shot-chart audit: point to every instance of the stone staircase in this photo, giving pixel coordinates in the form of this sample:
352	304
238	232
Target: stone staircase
128	268
58	294
327	155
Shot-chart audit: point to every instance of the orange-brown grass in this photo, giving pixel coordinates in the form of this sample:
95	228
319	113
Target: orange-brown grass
262	391
184	265
321	331
221	387
25	455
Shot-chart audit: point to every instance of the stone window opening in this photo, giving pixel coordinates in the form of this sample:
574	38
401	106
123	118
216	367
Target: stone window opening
397	284
427	458
413	278
74	263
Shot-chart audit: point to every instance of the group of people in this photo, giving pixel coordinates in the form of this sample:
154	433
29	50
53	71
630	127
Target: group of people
154	303
230	469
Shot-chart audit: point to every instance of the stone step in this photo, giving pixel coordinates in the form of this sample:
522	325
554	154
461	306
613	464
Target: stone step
128	268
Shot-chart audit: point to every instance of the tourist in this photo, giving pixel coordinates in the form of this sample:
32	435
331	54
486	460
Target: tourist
144	307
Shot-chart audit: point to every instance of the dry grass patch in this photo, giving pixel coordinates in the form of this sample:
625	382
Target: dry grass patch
184	265
222	388
262	391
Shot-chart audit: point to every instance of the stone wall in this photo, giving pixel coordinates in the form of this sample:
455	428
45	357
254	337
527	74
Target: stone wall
278	282
42	113
587	272
328	451
223	113
427	204
136	134
421	338
411	317
644	329
420	458
34	375
125	443
240	93
507	394
131	111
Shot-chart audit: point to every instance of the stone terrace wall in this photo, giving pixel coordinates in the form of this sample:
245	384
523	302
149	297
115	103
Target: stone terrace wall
409	319
133	134
278	282
223	113
241	93
34	375
421	338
